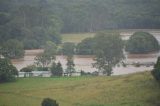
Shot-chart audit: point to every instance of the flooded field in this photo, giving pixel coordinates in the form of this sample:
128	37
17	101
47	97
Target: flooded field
83	62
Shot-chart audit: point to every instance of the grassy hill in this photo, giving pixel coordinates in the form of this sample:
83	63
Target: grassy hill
128	90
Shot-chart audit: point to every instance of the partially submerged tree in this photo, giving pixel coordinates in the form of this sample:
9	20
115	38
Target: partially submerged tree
85	47
68	48
13	49
50	48
108	52
43	60
7	71
56	69
70	65
142	42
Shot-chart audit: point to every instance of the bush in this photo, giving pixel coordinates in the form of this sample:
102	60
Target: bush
7	71
85	47
13	49
31	44
68	48
29	68
156	70
56	69
49	102
142	42
42	68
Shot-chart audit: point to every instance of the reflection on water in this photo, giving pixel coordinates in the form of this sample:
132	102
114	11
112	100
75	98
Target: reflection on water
85	62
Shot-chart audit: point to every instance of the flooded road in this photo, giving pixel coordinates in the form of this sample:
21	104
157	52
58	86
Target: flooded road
85	62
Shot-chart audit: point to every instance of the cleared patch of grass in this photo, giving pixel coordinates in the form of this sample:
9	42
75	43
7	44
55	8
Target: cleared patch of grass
129	90
76	38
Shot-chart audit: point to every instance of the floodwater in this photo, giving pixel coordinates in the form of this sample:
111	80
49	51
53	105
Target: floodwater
83	62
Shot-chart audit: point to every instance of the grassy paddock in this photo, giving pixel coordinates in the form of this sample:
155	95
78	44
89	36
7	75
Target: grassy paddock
78	37
129	90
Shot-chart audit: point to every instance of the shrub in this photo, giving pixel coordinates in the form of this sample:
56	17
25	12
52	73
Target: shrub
29	68
142	42
156	70
49	102
56	69
7	71
85	47
68	48
42	68
13	49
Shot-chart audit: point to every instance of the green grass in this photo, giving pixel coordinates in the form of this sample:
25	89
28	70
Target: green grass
129	90
76	38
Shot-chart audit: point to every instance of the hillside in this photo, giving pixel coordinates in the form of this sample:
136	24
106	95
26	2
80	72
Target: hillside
130	90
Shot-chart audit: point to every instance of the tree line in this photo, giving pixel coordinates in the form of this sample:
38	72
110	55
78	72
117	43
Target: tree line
32	23
35	21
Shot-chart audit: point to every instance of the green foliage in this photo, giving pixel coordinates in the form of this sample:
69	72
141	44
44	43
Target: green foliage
43	60
40	68
30	44
50	48
70	65
91	16
108	51
156	70
48	56
142	42
29	68
85	47
32	22
13	49
56	69
49	102
68	48
44	20
7	71
4	18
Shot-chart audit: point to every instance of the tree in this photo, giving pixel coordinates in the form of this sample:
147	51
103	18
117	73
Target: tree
48	56
70	65
85	47
156	70
49	102
29	68
31	44
13	49
59	69
56	69
7	71
50	48
142	42
108	52
68	48
43	60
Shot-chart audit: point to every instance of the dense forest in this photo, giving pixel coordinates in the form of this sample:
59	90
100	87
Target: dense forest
33	22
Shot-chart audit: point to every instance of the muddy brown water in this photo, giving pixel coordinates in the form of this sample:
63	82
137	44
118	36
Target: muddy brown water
84	62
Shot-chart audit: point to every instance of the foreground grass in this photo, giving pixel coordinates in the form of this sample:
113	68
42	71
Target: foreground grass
130	90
